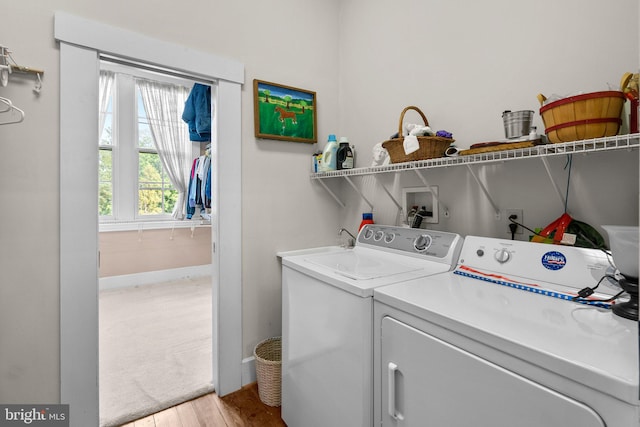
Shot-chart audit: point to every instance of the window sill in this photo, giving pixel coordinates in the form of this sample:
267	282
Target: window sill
108	226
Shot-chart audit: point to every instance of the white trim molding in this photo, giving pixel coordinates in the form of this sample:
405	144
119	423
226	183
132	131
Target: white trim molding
120	43
81	44
153	277
249	370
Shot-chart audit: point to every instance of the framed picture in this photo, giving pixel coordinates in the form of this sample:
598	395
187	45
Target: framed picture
283	112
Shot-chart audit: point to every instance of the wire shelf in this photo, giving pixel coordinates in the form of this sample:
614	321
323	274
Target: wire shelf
618	142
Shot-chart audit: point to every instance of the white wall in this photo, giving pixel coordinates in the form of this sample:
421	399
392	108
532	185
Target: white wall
465	62
277	41
462	63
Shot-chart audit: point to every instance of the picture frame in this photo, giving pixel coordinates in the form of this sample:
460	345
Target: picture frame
284	113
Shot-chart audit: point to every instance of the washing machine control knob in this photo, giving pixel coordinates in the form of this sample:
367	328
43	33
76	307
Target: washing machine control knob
422	242
502	256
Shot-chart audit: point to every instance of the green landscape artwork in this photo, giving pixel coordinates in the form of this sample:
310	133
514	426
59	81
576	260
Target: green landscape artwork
283	112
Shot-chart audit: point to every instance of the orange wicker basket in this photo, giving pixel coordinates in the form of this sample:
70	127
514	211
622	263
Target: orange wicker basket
591	115
430	146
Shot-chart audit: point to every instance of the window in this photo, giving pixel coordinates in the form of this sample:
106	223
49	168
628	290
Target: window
156	194
105	162
134	184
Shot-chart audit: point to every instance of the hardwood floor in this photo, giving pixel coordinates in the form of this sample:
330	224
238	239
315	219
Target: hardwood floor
242	408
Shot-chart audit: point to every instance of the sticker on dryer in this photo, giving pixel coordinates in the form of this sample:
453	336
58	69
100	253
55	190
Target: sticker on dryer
553	260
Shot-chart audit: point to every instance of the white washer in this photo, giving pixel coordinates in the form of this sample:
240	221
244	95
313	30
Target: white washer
493	343
327	312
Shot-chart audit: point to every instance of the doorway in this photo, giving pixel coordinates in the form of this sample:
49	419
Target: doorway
81	43
155	257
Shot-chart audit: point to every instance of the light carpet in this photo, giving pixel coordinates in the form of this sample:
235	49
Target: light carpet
155	348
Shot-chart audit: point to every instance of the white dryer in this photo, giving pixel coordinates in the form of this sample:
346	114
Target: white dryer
499	341
327	313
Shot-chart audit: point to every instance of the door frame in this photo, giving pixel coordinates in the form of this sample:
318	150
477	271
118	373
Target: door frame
81	43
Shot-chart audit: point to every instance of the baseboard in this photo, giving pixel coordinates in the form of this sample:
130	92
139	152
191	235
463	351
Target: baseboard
150	277
248	374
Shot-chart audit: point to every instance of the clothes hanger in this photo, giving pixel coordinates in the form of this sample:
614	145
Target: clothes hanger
5	105
16	114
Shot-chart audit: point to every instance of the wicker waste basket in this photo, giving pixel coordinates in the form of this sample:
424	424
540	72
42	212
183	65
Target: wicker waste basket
268	356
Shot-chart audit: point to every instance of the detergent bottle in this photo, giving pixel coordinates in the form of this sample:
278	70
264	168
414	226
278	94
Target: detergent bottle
329	155
367	218
344	154
353	151
316	160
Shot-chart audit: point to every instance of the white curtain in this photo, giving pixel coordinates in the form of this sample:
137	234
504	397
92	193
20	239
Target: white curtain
106	85
164	104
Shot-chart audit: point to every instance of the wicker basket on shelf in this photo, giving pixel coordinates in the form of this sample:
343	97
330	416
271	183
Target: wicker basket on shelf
586	116
431	147
268	358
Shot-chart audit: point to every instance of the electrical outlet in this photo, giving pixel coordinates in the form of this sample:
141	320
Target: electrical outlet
518	218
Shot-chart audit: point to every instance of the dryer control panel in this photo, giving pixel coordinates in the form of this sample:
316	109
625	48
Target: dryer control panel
417	241
565	265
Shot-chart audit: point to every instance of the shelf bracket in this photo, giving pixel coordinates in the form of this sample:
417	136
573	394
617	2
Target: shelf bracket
545	162
485	191
355	187
336	198
393	199
433	192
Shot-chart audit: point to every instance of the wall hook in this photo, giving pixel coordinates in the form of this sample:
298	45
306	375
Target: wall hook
4	75
38	87
9	66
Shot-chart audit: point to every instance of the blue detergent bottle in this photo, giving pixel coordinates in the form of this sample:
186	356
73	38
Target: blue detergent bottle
329	155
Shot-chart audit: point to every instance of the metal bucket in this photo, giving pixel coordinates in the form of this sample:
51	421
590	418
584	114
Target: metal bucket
517	123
